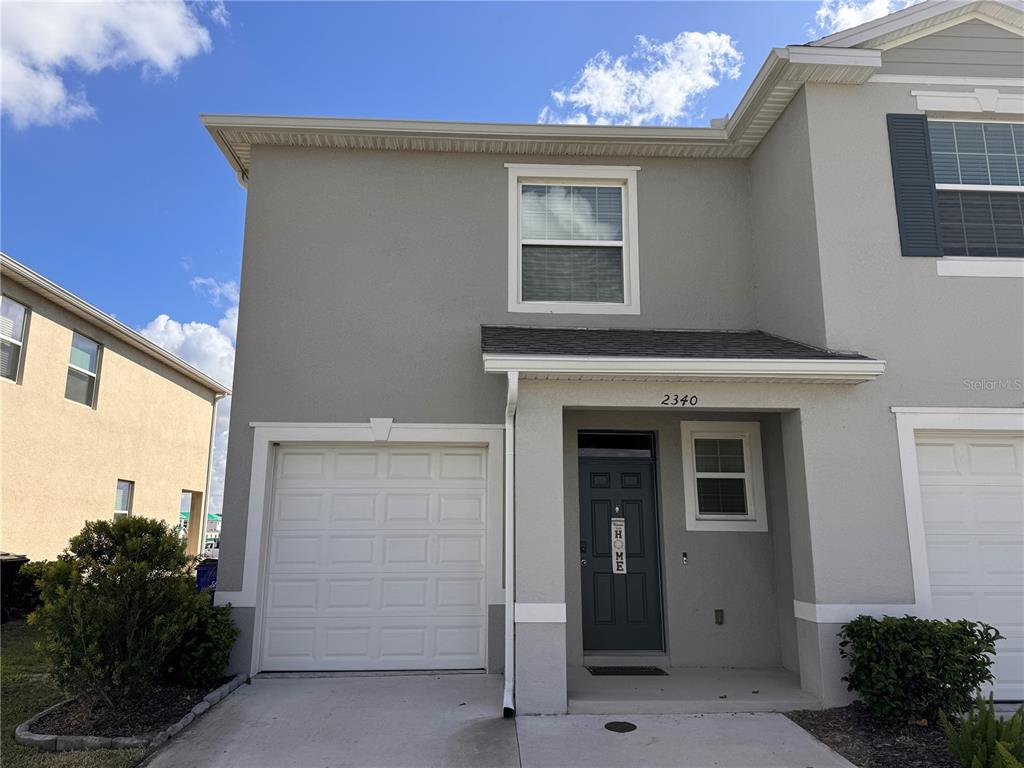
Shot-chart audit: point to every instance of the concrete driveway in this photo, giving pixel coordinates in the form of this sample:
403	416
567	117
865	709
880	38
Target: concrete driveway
411	721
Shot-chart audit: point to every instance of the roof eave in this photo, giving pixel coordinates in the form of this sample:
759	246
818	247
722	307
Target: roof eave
819	371
19	273
782	74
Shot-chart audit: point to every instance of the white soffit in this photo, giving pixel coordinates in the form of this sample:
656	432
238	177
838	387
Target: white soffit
820	371
781	76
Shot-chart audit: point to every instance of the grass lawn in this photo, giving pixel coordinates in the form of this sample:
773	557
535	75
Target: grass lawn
24	691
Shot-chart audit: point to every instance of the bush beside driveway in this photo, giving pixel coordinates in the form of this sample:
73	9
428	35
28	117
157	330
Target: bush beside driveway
27	690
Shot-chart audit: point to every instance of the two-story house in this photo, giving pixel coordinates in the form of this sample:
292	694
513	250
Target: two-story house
97	421
540	398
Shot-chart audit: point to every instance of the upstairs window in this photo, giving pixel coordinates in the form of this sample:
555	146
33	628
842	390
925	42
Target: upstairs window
572	240
83	370
979	180
13	322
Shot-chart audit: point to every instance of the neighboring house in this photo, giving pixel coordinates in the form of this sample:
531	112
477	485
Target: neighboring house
97	421
781	356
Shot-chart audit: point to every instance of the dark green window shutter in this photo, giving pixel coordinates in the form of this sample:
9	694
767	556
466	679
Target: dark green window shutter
914	183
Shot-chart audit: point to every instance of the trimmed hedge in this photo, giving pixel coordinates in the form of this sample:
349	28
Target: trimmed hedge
911	668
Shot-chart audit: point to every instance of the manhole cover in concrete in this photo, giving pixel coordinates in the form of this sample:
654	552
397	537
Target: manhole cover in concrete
619	726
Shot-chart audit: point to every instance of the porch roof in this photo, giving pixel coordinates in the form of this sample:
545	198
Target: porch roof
640	353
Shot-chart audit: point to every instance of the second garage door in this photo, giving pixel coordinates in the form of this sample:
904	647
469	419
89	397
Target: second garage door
376	559
972	499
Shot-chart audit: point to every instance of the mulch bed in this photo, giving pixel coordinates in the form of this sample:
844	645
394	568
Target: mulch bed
870	743
157	709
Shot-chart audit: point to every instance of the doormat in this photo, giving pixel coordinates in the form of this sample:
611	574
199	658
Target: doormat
627	671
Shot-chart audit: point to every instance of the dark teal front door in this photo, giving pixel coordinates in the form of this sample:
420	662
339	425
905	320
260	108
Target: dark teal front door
621	611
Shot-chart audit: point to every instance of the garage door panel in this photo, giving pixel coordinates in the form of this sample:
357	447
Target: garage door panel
972	503
379	643
409	594
376	559
975	560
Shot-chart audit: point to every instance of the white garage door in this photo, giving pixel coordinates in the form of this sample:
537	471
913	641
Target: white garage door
376	559
973	504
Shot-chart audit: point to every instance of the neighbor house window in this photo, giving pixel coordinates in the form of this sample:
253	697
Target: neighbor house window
573	240
83	370
722	476
13	322
123	498
979	180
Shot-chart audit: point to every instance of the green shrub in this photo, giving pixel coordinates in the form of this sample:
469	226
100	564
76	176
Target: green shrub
205	646
982	740
117	606
910	668
24	591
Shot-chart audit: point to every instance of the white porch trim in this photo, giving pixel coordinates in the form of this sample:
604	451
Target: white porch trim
540	613
840	613
267	434
836	371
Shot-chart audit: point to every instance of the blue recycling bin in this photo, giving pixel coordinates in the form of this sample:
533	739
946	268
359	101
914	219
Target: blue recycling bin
206	576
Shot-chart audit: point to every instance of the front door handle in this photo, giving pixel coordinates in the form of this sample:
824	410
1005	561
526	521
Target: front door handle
583	562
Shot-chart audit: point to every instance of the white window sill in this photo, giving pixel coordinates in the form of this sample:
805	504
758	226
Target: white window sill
978	267
744	524
572	308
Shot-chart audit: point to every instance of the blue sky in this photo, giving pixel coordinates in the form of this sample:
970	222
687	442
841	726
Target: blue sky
112	187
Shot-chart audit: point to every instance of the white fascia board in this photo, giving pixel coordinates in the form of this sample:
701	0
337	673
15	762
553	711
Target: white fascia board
697	369
839	57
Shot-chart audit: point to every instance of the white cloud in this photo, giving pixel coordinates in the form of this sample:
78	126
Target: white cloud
656	83
43	41
836	15
215	289
211	349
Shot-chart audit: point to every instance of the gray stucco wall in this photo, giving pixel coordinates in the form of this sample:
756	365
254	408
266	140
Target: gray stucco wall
366	276
734	571
785	238
971	49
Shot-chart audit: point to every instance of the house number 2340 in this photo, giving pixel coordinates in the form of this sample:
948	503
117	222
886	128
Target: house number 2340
679	400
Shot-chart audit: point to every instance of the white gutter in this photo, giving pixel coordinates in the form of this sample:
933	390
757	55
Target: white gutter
209	476
827	370
511	402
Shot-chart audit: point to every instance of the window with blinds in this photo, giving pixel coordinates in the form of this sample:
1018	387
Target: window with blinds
13	321
979	180
570	248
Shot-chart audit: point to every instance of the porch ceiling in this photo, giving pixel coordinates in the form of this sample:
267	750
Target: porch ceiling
637	354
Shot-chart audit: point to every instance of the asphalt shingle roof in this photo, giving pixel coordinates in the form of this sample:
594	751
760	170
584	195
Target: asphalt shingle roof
640	342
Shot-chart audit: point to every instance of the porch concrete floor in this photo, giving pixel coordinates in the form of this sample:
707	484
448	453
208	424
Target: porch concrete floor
437	721
688	690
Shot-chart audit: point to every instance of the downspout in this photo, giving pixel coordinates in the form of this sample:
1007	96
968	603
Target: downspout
209	476
511	402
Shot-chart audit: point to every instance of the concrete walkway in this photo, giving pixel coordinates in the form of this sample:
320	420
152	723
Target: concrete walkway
413	721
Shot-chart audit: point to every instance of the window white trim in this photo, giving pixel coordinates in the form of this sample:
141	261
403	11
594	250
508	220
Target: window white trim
910	421
975	266
621	175
20	343
94	374
978	187
989	100
756	519
267	434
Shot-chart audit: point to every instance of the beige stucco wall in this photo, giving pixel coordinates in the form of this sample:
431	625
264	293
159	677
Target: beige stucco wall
61	460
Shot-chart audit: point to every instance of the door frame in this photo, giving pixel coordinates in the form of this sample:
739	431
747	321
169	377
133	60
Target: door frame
267	436
654	462
910	421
